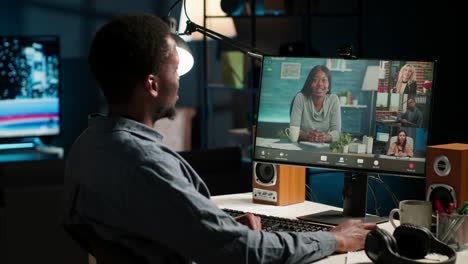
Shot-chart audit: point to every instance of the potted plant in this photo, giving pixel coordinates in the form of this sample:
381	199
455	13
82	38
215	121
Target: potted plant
343	94
342	144
281	134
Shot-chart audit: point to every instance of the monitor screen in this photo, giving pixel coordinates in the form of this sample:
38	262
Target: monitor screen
29	86
356	115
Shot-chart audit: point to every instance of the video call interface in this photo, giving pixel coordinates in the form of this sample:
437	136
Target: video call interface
363	115
29	86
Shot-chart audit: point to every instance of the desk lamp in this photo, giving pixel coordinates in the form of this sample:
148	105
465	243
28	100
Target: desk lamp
185	54
183	49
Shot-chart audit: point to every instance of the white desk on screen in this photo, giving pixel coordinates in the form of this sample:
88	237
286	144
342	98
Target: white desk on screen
243	202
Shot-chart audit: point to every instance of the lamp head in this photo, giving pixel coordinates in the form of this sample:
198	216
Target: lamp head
184	51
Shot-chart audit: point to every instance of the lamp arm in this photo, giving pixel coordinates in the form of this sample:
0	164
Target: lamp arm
252	52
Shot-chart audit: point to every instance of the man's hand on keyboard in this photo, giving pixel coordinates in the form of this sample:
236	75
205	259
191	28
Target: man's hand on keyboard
351	235
250	220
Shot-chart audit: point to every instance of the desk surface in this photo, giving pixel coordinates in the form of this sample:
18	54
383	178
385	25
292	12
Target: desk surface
243	202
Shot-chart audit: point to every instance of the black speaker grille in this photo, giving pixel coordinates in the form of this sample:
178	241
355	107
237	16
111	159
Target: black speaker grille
265	172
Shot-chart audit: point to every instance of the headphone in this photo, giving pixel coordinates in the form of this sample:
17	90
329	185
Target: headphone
408	243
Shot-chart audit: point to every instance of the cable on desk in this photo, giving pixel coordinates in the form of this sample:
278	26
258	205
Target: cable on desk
310	195
387	188
376	206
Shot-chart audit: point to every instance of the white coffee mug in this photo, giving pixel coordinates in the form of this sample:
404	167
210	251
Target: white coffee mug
293	133
416	212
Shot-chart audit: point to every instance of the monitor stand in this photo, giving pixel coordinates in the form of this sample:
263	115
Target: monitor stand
354	203
20	143
29	145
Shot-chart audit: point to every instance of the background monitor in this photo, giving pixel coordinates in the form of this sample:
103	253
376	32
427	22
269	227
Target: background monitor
29	86
366	106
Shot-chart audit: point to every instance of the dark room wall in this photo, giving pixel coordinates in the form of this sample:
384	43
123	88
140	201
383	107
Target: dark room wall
9	11
423	30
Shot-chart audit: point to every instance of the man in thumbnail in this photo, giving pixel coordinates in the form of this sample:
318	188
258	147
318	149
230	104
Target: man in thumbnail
315	110
413	117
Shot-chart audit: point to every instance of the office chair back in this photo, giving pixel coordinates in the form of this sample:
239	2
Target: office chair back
221	169
105	252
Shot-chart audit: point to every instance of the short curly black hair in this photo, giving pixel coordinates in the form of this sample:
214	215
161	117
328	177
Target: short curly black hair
125	51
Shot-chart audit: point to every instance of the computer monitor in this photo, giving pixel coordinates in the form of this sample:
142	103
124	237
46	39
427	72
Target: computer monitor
29	87
359	116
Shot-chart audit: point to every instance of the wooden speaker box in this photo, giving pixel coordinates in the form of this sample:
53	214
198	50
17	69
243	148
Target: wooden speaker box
278	184
447	173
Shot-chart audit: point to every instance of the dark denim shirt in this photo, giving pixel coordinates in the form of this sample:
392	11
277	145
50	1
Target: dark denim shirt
132	189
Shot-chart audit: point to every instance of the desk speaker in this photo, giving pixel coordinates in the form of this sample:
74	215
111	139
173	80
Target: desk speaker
447	174
278	184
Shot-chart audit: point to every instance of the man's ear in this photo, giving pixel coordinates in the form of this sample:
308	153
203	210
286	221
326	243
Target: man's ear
152	84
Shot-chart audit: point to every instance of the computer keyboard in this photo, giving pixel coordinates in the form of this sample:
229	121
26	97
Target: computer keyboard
274	223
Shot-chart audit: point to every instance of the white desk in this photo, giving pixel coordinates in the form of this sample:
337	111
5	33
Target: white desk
243	202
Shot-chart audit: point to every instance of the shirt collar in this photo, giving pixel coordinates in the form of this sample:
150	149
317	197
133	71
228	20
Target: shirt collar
101	122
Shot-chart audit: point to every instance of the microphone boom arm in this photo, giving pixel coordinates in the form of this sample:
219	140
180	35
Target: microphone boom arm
252	52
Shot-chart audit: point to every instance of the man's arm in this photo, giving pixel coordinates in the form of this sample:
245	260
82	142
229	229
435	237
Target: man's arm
415	121
178	217
419	118
350	235
403	116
